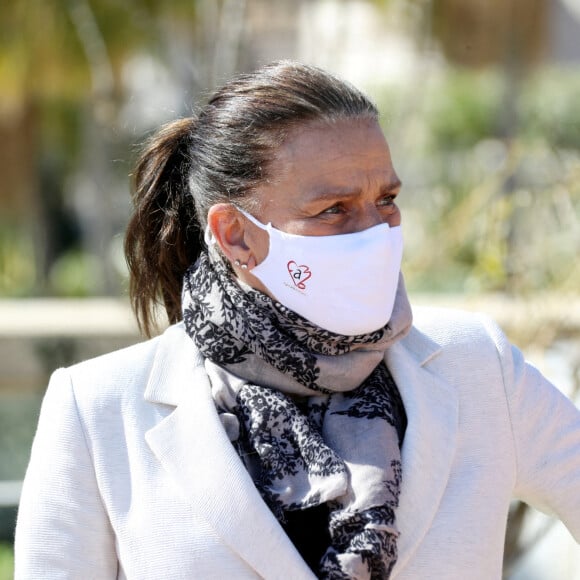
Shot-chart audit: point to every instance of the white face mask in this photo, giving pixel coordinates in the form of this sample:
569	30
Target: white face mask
344	283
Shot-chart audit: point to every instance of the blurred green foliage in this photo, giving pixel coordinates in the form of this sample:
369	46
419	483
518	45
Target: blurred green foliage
463	110
550	109
17	267
48	48
485	208
6	561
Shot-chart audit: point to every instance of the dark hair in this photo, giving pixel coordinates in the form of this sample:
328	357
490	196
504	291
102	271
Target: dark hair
223	154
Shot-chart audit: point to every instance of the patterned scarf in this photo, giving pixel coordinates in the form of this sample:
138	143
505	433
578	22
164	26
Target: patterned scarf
316	416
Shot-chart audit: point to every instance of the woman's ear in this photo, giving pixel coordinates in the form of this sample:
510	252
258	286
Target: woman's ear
228	228
243	244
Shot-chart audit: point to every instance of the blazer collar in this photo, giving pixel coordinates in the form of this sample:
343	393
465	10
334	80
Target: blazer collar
210	474
175	358
430	441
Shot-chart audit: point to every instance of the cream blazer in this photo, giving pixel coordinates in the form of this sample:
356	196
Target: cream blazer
132	475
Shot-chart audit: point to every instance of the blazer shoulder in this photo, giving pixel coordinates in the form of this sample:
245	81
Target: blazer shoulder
471	346
124	371
450	327
133	359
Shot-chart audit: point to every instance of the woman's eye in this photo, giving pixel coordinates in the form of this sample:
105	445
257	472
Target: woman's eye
387	201
335	209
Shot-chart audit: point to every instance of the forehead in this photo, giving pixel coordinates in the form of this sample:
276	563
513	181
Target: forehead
322	153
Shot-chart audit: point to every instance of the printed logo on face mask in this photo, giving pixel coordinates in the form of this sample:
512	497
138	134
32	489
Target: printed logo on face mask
299	274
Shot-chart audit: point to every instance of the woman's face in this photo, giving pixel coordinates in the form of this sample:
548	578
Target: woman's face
326	179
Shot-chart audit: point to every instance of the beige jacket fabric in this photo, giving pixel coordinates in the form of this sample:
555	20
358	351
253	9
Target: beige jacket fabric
132	476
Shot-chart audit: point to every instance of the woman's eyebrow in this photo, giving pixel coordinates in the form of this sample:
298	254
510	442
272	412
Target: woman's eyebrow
338	192
335	193
392	187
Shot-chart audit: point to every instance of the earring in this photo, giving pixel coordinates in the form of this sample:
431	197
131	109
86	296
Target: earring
240	265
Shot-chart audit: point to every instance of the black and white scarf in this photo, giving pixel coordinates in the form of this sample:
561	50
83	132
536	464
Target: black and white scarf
315	415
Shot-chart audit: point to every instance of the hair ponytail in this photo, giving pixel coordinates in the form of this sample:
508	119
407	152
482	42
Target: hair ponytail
162	237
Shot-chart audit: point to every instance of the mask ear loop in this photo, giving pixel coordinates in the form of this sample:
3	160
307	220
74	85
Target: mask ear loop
254	220
208	237
213	249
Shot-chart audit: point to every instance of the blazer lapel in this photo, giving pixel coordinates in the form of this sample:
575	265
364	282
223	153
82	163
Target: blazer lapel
193	448
430	441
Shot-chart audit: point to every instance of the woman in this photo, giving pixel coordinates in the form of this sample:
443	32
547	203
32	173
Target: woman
292	422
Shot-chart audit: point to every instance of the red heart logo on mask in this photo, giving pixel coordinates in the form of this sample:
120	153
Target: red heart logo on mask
299	274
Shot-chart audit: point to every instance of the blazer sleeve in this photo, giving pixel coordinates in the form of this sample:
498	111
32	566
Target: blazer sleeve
546	432
62	528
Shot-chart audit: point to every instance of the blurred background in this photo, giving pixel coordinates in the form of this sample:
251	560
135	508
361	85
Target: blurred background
480	101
